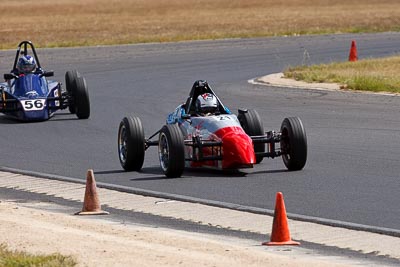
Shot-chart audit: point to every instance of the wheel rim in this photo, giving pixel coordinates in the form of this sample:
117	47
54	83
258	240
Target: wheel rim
122	144
163	152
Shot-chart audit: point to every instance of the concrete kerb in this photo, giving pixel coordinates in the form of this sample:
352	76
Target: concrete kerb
219	204
278	80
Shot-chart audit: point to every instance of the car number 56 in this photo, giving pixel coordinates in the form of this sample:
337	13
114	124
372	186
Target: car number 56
36	104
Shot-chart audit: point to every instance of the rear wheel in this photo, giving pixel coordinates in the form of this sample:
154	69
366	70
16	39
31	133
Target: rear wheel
70	78
131	144
171	150
253	126
81	98
293	144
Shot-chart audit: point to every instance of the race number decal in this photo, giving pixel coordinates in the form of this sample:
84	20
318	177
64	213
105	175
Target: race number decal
34	104
222	118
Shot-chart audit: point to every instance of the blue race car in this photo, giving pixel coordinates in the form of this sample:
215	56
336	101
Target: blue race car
28	95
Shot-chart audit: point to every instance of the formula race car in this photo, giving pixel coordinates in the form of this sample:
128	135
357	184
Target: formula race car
28	95
204	133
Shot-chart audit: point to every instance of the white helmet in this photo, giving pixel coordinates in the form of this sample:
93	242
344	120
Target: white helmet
206	103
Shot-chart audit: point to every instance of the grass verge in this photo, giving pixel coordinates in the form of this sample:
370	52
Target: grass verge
376	75
15	258
50	23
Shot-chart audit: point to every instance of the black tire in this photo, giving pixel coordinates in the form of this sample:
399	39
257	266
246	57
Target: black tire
81	98
70	78
293	144
171	150
253	126
131	144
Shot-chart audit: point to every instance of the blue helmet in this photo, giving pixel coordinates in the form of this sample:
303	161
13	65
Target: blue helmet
26	64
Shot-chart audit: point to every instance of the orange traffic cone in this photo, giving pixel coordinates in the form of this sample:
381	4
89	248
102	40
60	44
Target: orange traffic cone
353	52
91	202
280	229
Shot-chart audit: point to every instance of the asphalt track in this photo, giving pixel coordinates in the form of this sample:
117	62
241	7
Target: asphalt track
352	173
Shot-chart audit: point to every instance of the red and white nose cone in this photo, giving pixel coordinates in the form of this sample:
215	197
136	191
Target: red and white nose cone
238	150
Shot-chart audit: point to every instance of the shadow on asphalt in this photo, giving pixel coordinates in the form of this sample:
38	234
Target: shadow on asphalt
4	119
155	173
195	173
9	120
109	172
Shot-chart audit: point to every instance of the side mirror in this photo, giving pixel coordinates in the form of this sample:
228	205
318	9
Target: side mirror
48	74
9	76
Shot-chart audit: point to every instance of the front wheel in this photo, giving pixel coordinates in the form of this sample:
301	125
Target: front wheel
293	144
171	150
81	98
70	83
131	144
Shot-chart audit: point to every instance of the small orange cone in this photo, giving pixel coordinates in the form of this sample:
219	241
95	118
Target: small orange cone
280	230
91	202
353	52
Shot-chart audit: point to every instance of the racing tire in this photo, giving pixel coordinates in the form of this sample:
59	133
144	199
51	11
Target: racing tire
81	98
171	150
253	126
131	144
293	144
70	78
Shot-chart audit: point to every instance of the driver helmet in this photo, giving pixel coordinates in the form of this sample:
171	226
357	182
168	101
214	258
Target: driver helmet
26	64
206	103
